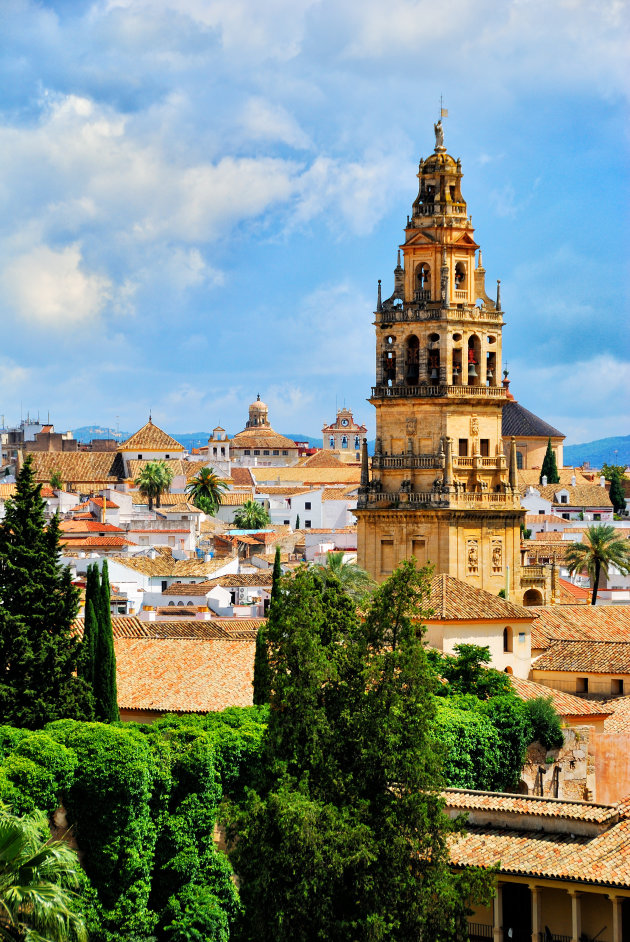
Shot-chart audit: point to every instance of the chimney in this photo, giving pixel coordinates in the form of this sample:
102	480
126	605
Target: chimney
573	480
602	481
544	480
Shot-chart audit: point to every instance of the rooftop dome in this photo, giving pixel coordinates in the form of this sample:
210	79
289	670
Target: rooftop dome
439	163
258	406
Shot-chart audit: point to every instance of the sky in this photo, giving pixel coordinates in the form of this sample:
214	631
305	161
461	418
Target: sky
197	198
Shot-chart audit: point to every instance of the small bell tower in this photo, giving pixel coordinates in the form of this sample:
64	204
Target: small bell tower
439	487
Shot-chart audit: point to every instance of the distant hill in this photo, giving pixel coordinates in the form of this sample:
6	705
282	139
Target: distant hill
87	432
599	452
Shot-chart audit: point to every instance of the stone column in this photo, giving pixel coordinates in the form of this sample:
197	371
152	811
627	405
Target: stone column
576	915
616	923
448	464
497	914
536	913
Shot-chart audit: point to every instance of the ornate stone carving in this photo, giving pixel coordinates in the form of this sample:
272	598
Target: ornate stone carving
497	556
411	425
472	555
474	425
439	134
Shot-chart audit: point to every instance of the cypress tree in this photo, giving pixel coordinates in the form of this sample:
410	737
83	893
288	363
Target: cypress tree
617	495
262	671
549	466
39	648
105	688
297	522
90	624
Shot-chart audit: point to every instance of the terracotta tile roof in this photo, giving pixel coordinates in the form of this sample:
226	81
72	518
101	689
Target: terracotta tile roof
530	477
261	579
183	588
242	477
85	526
565	703
47	491
580	623
132	627
330	530
164	565
597	857
469	800
282	491
235	498
164	530
99	503
151	438
7	490
572	594
178	466
589	657
337	493
78	468
619	720
323	459
454	600
110	542
544	536
184	675
582	495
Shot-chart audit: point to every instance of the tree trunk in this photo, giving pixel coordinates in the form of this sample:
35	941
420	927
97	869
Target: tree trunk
150	502
596	582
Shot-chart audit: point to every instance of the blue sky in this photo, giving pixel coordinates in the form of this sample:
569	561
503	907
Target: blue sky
198	197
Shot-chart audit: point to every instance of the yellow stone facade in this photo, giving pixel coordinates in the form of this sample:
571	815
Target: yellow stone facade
440	487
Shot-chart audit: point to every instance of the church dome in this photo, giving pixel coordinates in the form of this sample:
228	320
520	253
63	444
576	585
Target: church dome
259	406
439	163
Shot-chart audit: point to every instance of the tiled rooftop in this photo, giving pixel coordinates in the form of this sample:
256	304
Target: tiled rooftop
165	565
344	474
184	675
580	623
454	600
565	703
588	657
470	800
619	720
78	468
151	438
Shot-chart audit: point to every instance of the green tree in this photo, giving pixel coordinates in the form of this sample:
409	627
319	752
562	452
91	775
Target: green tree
154	479
206	491
38	878
354	581
297	522
105	689
549	466
613	470
262	673
345	838
39	649
600	548
251	516
617	494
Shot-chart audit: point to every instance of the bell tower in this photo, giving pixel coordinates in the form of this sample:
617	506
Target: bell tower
439	486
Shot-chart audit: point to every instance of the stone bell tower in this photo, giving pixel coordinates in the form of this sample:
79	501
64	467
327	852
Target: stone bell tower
440	487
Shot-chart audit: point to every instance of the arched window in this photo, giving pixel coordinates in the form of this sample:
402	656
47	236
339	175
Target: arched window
332	441
412	357
507	639
519	460
344	441
357	442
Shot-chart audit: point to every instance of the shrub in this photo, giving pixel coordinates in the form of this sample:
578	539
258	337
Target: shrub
546	726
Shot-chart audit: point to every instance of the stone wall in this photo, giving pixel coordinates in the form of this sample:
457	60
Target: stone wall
568	772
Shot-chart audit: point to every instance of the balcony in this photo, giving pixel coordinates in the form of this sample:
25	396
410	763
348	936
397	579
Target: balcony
485	500
438	392
389	462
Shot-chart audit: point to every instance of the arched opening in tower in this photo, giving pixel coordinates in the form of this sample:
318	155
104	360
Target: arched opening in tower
389	367
412	356
474	361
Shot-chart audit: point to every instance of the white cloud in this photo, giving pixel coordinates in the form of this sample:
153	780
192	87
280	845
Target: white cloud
51	287
12	375
264	121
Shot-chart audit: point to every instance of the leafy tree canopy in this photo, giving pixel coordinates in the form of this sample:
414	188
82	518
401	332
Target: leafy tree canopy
599	549
251	516
206	490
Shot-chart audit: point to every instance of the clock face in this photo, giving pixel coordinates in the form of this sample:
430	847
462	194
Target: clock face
344	422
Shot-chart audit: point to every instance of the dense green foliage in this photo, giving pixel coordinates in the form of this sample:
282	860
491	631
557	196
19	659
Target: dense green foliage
206	490
105	689
262	673
37	882
345	836
549	466
39	651
617	494
251	516
599	549
143	802
546	727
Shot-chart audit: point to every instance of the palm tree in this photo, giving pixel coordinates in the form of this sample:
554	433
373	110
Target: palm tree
37	879
206	490
355	582
251	516
154	479
599	549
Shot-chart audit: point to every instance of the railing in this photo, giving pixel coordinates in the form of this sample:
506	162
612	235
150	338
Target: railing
399	314
437	392
462	462
405	461
533	572
423	295
437	499
479	930
461	295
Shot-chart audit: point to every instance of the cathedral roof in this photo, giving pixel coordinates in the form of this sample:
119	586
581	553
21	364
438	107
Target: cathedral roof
522	423
261	436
